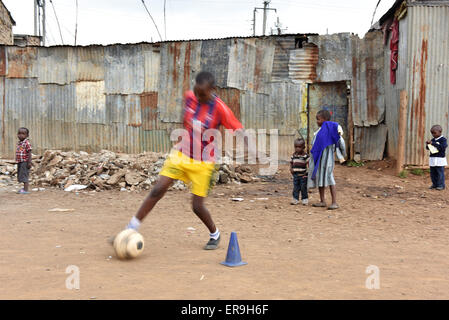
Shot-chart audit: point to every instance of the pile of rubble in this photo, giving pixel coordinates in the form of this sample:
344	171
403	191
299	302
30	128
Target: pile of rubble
107	170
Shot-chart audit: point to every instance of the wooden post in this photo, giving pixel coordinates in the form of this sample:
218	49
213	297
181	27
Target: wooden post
402	122
350	129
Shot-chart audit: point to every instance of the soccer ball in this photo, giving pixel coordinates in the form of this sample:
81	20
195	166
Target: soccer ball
128	244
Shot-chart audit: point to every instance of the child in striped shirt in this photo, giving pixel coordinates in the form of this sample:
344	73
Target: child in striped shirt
298	168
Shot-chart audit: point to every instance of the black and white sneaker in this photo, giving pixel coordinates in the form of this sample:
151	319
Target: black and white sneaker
212	244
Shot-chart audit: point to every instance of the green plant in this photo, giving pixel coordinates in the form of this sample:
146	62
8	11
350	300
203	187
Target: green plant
403	174
417	172
352	163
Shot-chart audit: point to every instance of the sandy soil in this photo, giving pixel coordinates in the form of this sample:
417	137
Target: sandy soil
293	252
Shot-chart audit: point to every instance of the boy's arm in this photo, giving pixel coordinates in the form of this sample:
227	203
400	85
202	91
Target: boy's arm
228	119
29	155
440	145
342	146
291	165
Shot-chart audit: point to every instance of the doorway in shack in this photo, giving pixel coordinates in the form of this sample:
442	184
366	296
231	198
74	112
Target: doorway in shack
331	96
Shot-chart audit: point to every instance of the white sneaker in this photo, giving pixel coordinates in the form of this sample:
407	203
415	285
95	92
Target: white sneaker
294	201
305	202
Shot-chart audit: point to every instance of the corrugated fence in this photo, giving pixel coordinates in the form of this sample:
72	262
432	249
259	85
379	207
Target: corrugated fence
128	98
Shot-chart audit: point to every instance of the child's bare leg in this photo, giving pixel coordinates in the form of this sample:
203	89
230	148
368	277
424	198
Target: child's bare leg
26	186
333	191
201	211
322	196
322	202
157	192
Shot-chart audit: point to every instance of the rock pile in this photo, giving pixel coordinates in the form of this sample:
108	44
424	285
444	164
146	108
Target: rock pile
107	170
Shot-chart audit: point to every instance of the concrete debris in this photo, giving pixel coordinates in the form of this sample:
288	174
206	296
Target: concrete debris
107	170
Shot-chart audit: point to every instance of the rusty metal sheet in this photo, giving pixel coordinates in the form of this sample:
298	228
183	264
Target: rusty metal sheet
335	57
3	143
124	69
180	62
427	77
155	140
56	65
392	91
283	45
148	104
281	109
56	103
367	92
215	59
22	62
20	99
242	60
152	59
302	63
369	142
90	64
263	66
90	103
123	109
124	138
3	61
250	64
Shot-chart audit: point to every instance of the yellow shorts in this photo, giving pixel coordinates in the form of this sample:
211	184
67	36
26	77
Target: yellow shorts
178	166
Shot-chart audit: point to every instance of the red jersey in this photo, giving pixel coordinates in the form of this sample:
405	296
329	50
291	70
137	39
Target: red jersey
197	118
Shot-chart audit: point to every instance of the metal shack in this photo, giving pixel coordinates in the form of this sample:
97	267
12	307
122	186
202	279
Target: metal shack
128	97
419	64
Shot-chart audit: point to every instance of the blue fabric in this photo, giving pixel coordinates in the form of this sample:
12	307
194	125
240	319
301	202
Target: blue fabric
328	135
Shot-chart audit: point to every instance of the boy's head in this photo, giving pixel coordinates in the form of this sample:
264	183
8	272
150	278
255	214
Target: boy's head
204	86
23	133
321	116
300	145
436	131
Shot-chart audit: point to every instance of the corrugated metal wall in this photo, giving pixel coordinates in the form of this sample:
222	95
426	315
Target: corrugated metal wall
367	93
392	91
427	76
335	63
129	97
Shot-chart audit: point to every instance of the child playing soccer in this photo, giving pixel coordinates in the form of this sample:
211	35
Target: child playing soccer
23	159
203	110
437	159
298	168
322	161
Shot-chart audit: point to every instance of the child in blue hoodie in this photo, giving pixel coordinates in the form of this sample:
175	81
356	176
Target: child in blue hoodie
321	164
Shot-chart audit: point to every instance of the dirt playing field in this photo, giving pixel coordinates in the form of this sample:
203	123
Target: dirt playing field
293	252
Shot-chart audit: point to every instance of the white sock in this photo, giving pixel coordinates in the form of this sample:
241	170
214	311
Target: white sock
215	235
134	224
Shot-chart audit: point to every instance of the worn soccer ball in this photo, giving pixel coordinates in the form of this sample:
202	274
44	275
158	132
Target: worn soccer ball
128	244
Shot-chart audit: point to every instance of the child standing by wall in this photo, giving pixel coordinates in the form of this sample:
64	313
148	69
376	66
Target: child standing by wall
23	159
322	161
437	159
298	168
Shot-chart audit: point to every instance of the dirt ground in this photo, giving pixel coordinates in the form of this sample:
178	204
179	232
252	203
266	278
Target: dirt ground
293	252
